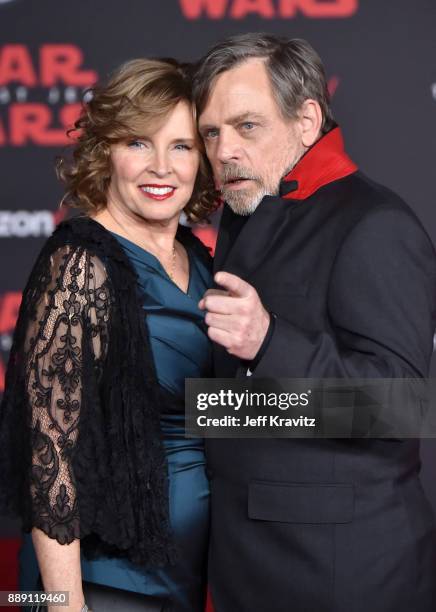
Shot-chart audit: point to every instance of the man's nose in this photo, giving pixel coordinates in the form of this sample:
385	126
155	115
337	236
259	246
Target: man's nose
228	147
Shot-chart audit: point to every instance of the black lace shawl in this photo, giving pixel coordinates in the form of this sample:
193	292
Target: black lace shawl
81	454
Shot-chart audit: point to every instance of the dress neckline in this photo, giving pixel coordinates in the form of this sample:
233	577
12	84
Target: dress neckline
158	263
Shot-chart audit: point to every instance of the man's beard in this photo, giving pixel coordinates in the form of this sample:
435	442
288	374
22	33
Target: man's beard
242	201
245	201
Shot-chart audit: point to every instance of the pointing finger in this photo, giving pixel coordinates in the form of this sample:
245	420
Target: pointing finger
224	305
234	284
211	292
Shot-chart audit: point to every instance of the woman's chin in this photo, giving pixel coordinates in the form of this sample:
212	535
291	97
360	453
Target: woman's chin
160	212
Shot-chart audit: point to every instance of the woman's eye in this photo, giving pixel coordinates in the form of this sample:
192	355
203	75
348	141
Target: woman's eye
136	144
183	147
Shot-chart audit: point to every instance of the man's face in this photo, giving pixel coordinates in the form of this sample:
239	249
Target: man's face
249	143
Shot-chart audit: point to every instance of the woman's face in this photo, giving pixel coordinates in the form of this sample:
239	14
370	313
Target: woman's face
153	176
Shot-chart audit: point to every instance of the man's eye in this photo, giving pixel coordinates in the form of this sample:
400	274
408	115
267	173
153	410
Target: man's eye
209	134
247	125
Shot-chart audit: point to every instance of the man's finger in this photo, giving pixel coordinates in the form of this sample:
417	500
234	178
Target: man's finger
220	336
216	292
220	321
235	285
211	292
221	304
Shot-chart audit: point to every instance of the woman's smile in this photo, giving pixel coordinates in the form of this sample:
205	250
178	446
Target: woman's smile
157	192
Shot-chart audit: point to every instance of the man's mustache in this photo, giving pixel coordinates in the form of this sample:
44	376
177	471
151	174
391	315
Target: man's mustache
232	172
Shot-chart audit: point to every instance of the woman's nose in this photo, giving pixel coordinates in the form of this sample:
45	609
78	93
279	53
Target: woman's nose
160	163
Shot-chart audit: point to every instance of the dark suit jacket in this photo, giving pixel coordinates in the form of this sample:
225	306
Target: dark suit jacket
327	525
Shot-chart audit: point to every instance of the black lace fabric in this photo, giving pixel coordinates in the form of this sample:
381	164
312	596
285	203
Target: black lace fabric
81	454
77	291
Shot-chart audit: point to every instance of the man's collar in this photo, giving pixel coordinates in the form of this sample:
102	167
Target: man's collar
325	162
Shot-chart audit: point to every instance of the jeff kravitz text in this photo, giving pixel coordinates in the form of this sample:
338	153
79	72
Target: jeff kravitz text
261	420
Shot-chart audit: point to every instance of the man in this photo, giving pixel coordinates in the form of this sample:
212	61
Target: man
322	273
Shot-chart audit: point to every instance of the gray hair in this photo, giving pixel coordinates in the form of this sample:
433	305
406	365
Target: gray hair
295	70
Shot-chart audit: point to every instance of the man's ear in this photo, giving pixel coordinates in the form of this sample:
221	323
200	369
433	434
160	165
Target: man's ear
310	121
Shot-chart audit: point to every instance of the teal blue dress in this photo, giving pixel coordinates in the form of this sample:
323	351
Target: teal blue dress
180	349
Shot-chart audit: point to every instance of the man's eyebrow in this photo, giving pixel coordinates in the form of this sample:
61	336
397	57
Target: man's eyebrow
244	117
235	119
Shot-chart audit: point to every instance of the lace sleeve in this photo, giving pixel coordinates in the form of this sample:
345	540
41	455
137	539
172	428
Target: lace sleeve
71	313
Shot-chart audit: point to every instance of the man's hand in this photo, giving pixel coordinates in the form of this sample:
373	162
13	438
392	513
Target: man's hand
236	317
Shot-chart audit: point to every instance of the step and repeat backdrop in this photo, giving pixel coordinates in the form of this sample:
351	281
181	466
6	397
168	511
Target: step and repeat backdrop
380	57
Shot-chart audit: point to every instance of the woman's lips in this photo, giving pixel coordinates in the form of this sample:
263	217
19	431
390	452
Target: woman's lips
157	192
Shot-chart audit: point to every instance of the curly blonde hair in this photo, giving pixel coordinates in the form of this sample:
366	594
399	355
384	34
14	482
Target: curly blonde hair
140	92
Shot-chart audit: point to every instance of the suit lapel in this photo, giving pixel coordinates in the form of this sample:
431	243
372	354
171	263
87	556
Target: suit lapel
240	253
223	243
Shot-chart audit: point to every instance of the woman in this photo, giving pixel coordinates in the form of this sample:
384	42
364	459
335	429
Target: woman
93	450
